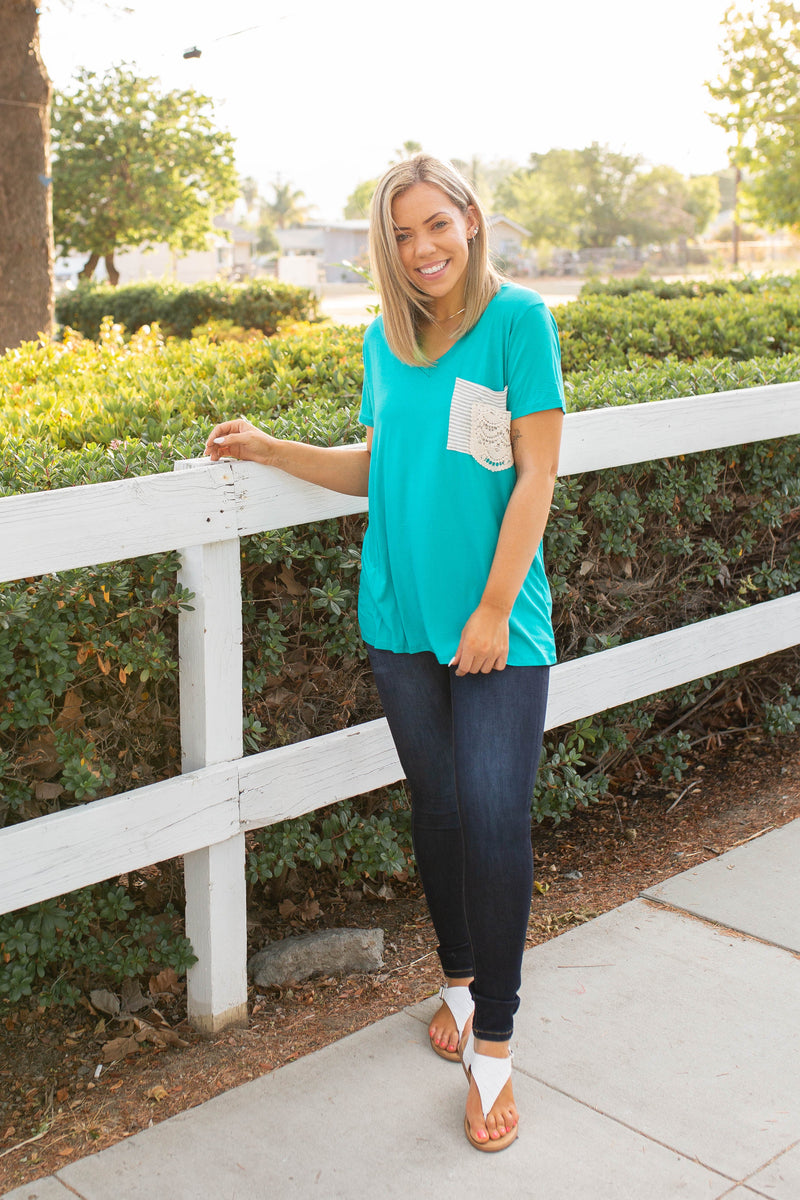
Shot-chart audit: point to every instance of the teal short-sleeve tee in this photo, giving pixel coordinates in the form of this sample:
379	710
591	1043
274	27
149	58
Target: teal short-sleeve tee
441	475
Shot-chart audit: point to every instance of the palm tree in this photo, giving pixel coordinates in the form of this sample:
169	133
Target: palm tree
286	208
407	150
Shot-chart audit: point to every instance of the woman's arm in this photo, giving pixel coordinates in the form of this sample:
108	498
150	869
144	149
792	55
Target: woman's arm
340	468
535	441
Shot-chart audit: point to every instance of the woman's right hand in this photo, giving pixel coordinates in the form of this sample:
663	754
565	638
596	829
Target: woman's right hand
241	440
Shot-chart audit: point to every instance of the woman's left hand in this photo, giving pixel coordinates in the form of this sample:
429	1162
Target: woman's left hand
484	642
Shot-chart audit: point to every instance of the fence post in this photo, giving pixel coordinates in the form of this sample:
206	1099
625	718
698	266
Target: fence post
210	644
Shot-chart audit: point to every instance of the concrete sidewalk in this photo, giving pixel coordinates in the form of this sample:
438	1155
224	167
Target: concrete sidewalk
657	1056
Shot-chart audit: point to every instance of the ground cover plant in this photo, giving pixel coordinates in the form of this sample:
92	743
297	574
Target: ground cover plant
88	658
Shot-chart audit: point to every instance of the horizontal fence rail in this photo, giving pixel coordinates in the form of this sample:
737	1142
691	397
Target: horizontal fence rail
204	509
104	522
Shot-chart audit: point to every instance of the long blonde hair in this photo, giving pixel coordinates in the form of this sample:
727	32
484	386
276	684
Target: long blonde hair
405	307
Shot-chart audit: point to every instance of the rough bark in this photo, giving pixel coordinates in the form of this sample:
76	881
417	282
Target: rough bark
26	224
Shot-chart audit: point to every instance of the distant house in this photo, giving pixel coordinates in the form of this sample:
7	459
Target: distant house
328	244
506	242
230	255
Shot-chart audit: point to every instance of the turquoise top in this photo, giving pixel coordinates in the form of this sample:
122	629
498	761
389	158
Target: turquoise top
441	475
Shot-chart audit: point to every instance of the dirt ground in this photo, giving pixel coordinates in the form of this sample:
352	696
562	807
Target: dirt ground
57	1104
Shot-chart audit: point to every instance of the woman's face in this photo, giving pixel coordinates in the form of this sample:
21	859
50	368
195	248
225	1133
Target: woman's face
432	235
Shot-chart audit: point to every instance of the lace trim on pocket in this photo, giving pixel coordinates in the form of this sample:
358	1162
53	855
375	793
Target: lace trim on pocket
490	437
465	395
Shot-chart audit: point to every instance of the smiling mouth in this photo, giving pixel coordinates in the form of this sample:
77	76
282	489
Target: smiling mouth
435	268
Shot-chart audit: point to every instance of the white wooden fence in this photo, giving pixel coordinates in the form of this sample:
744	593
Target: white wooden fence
204	813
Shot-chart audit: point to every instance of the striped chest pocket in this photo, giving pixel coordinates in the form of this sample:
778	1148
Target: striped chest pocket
480	425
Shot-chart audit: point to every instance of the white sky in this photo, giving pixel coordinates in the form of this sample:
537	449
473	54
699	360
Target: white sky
322	93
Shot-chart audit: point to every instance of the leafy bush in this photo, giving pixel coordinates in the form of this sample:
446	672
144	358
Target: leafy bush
670	289
621	331
96	933
87	659
260	305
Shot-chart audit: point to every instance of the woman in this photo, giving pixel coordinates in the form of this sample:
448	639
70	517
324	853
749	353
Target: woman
463	406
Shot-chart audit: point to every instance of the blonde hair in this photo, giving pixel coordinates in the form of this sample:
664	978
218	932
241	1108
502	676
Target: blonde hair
405	307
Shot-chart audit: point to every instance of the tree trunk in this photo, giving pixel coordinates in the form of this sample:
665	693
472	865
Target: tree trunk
88	269
111	270
26	222
735	232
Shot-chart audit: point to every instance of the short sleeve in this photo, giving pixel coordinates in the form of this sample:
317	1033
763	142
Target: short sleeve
367	414
533	369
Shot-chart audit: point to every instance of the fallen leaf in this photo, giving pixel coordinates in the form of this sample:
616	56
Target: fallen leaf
157	1093
118	1048
286	908
166	1037
47	791
290	583
62	1094
70	714
164	981
132	998
105	1001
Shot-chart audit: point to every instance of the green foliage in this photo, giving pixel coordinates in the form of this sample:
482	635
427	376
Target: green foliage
258	305
286	207
359	200
758	104
671	289
627	331
594	196
340	840
782	715
135	165
52	951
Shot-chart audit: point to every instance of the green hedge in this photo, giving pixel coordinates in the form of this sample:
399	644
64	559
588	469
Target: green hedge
260	304
671	289
619	331
88	696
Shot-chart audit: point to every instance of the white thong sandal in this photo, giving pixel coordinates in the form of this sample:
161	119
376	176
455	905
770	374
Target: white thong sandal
490	1075
459	1001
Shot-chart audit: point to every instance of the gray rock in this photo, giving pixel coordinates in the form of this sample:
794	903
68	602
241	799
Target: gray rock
329	952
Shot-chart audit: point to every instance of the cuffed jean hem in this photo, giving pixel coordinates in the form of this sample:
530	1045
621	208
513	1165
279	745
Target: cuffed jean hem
456	963
494	1019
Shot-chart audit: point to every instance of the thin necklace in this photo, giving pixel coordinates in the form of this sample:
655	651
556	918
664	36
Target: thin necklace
450	318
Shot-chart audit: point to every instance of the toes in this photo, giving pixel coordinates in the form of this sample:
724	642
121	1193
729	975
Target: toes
494	1126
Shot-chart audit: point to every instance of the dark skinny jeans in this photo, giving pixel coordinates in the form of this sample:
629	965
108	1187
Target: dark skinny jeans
470	747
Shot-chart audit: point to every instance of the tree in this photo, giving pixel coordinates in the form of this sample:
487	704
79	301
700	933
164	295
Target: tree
572	198
606	185
26	237
659	208
359	200
543	197
134	166
758	103
407	150
704	200
287	208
